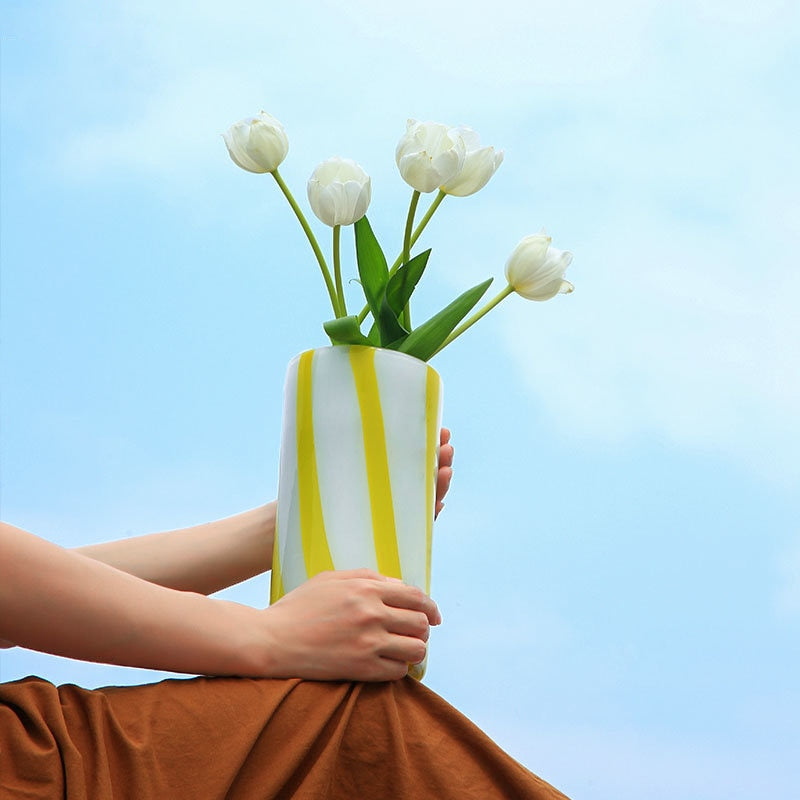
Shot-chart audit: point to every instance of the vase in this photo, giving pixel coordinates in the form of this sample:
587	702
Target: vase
358	465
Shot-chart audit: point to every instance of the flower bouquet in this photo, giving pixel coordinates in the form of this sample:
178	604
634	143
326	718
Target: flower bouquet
359	445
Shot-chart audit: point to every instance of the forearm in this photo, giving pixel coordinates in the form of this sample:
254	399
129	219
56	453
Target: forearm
204	558
61	602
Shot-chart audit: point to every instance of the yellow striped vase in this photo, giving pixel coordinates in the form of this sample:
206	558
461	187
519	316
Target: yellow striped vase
359	454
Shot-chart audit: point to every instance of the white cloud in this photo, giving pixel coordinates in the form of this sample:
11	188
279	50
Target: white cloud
672	175
676	337
683	215
175	131
193	66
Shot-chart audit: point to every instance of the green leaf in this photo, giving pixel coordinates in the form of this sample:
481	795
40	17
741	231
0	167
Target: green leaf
399	289
389	324
372	268
345	330
425	340
374	335
402	284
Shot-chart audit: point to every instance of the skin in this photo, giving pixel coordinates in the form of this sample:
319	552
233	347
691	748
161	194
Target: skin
144	602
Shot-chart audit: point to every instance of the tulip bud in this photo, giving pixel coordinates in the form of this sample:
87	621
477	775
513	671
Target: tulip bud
257	144
535	270
480	163
339	191
429	154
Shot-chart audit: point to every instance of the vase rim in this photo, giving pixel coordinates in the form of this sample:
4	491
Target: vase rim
389	353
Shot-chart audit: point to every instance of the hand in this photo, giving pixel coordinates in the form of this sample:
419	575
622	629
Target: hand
445	474
349	625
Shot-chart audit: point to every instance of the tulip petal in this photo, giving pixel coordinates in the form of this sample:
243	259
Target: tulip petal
535	270
429	154
339	191
326	208
257	144
236	140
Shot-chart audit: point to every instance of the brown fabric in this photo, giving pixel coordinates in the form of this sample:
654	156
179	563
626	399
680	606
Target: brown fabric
248	739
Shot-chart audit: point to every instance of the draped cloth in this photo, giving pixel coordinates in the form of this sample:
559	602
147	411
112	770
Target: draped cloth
244	739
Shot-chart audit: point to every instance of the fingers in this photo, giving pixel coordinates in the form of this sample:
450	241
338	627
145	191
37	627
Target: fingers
409	632
390	669
405	649
393	591
443	479
445	473
408	623
446	456
405	622
351	625
410	598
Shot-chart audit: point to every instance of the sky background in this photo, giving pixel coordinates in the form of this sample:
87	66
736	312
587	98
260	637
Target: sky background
618	564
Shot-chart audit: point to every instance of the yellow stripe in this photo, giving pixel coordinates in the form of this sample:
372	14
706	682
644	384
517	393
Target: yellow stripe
432	439
316	553
276	590
362	360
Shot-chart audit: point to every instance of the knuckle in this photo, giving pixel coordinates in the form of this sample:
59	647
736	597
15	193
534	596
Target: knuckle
365	573
366	615
369	643
417	596
364	592
422	627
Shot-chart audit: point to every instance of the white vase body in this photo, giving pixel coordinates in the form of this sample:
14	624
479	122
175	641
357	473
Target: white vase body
358	464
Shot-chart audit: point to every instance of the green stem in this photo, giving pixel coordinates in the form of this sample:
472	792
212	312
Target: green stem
412	212
337	271
311	239
427	218
417	233
509	289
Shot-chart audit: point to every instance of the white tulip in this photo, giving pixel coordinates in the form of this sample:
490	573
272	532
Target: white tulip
480	163
257	144
535	270
429	154
339	191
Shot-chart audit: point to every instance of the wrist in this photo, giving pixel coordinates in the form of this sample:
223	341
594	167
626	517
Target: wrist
223	638
253	644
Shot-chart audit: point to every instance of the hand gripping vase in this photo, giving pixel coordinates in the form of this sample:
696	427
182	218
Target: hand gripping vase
359	457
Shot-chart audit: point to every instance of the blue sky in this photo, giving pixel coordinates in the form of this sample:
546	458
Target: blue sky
619	562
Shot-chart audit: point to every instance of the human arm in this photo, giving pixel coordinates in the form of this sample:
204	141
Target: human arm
206	558
209	557
350	625
203	558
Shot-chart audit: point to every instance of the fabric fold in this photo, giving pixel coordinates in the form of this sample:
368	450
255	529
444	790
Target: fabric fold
241	739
